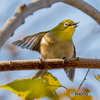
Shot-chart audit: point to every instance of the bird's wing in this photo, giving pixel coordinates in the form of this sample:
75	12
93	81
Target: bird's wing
31	42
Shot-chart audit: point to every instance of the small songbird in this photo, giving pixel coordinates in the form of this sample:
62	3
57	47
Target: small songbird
53	44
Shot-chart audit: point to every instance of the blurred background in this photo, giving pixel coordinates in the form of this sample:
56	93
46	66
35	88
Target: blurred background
86	39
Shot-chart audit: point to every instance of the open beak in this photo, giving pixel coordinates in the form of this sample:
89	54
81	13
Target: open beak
75	24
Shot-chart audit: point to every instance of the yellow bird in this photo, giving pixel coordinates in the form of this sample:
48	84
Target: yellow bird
52	44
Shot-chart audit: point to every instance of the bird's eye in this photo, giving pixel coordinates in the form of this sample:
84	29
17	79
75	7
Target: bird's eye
65	24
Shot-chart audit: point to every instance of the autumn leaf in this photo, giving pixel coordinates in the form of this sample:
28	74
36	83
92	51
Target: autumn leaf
96	77
74	95
29	89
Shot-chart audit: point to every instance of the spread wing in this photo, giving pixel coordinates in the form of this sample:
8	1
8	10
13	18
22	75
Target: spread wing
31	42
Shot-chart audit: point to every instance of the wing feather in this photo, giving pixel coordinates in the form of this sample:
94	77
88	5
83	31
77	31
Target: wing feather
31	42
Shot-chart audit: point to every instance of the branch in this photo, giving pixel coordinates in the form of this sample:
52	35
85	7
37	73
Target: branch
24	10
49	64
83	80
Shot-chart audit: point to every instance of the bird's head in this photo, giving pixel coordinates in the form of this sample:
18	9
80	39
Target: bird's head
65	29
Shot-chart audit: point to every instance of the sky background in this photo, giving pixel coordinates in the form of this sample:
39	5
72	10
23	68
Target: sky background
86	39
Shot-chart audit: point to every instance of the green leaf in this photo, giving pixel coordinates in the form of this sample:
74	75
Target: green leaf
29	89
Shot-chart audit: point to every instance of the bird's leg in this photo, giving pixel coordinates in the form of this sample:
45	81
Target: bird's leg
64	58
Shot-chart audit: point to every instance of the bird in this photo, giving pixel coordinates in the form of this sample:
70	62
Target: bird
56	43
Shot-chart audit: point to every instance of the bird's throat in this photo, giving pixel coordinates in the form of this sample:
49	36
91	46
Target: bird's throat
65	35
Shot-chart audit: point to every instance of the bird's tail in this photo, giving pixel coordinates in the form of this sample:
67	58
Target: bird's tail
70	73
39	74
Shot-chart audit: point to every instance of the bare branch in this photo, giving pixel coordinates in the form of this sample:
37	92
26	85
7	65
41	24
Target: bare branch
49	64
83	80
24	10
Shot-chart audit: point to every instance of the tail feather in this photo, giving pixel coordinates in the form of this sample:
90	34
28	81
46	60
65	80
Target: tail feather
39	74
70	73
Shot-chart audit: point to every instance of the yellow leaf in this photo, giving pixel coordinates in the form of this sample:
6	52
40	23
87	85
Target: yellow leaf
52	80
77	96
97	77
29	89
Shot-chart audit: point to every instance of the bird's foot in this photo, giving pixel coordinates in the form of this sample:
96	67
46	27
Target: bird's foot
64	58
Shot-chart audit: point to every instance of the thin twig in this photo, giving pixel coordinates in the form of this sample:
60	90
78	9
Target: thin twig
63	87
83	80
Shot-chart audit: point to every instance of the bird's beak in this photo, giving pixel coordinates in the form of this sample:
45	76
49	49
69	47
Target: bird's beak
75	24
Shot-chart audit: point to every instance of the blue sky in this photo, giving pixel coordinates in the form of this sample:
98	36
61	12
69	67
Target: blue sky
86	39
